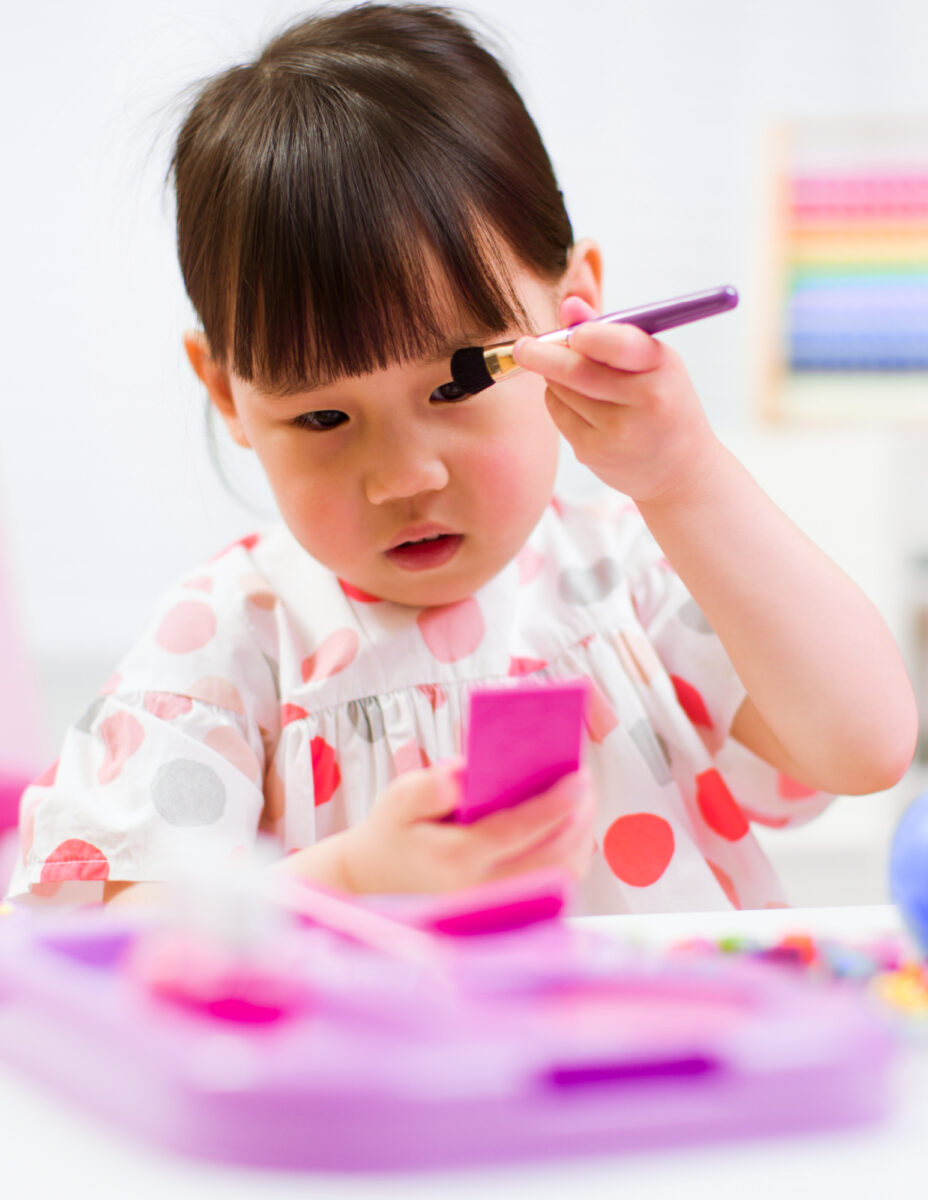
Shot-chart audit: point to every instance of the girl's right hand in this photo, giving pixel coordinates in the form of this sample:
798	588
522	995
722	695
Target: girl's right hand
405	846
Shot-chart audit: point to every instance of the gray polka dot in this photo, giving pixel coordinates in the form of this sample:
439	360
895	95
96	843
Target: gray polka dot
367	718
692	615
188	793
585	585
85	722
653	753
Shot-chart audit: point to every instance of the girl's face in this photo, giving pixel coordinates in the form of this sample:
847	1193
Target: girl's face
363	464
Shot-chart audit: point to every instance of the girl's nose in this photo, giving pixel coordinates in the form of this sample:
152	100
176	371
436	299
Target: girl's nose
399	474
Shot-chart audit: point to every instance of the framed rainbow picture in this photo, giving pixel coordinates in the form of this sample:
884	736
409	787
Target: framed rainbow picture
849	221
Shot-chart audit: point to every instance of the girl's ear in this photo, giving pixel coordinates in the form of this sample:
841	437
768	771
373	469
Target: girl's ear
583	278
215	379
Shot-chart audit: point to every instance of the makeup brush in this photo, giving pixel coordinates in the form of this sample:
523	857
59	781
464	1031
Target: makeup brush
477	367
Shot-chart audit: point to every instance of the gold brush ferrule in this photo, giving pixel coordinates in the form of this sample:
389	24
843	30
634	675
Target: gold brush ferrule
499	361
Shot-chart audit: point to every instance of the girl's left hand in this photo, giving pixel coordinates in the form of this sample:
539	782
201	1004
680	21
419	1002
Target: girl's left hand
625	403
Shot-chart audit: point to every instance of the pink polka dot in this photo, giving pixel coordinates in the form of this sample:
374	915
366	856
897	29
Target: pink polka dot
792	789
248	543
763	818
638	848
410	757
326	775
776	904
526	666
725	883
530	563
600	718
556	504
187	627
263	600
48	776
75	859
167	705
122	735
452	631
213	690
202	583
232	746
691	702
718	806
335	653
434	692
355	593
290	713
112	684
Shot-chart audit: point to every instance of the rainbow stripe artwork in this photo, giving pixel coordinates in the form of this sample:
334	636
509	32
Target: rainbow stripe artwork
857	269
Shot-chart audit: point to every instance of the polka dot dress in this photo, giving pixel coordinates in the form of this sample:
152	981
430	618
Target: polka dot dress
268	695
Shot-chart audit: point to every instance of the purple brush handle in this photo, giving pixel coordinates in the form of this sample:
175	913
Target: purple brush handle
653	318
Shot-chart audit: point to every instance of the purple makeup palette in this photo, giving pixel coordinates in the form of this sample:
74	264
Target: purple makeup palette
524	1037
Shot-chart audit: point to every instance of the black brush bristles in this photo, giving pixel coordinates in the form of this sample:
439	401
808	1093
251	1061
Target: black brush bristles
469	370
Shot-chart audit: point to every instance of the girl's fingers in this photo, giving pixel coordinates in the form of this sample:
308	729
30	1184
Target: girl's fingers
515	831
428	793
612	347
568	848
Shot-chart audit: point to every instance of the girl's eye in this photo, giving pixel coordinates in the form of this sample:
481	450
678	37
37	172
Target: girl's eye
322	418
449	391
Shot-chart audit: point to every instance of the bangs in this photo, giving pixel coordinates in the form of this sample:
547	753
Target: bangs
340	271
355	197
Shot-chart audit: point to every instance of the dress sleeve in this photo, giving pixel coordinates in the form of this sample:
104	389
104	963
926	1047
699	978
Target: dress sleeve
166	766
707	686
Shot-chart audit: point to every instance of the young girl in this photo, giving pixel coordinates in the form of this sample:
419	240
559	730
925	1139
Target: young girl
366	197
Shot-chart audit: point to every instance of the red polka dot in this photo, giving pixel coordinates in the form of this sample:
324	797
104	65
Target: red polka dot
48	776
638	848
332	656
718	806
529	562
326	775
434	692
725	883
187	627
452	631
355	593
248	543
691	702
599	717
792	789
122	735
290	713
75	859
410	757
526	666
167	705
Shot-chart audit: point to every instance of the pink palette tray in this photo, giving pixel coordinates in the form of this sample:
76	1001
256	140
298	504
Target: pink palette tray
524	1037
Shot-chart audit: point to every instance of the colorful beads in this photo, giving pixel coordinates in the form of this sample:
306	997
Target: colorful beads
880	966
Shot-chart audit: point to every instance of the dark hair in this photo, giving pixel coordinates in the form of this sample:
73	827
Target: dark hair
324	189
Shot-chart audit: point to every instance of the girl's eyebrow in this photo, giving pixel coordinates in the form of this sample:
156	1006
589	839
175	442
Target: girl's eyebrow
442	353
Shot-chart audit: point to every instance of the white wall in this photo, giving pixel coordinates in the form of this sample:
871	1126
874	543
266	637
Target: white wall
654	114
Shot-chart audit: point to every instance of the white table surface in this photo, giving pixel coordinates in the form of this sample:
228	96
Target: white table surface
48	1149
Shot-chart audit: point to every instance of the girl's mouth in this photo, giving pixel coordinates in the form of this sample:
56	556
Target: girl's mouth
426	554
